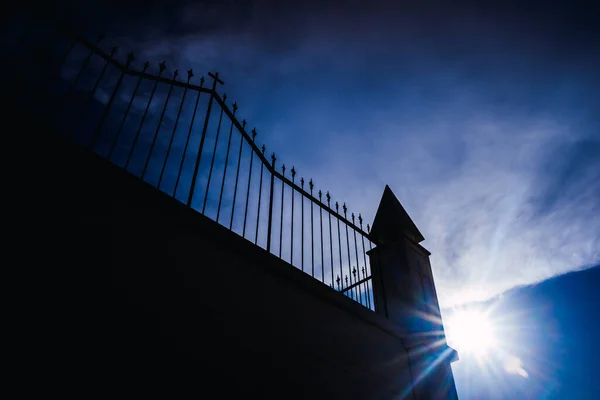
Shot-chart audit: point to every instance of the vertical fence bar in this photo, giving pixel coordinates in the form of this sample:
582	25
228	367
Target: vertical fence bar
367	297
111	100
190	74
346	279
347	241
162	67
160	120
235	108
213	93
262	168
337	211
293	171
281	216
135	90
112	53
311	185
212	161
330	234
302	221
90	95
84	66
270	221
360	221
370	248
357	262
249	180
237	175
321	225
189	135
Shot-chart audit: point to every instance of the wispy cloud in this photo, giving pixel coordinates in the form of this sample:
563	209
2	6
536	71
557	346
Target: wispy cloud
485	130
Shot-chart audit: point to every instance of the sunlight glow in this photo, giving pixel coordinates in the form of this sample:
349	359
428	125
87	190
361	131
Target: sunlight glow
471	332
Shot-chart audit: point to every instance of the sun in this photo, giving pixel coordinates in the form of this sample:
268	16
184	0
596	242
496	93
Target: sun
471	332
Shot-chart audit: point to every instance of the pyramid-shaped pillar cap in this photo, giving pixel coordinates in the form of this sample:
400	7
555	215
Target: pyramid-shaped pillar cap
392	221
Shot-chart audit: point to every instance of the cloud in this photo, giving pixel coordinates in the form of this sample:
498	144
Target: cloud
483	126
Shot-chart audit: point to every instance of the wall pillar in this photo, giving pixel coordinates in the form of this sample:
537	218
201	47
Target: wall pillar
404	293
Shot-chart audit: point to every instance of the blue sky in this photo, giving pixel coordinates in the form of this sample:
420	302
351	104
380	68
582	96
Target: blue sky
485	123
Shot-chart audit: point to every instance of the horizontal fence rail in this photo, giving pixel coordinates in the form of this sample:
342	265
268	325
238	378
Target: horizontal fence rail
186	140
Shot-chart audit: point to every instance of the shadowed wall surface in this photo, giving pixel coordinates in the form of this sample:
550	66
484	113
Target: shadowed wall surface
156	297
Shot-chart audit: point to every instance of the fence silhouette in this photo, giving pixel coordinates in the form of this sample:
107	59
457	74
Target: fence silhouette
184	139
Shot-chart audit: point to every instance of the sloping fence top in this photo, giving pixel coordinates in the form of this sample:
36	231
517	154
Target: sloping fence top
179	137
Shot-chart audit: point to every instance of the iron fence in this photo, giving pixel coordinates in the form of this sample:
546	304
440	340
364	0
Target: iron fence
186	140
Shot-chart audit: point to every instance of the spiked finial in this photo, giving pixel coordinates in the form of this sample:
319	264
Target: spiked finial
273	159
113	51
146	66
175	74
337	279
352	217
283	169
320	194
235	107
354	272
293	171
243	123
363	271
253	133
345	209
337	207
190	74
201	81
360	220
311	185
130	58
302	182
162	66
263	149
368	229
346	280
328	197
224	97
